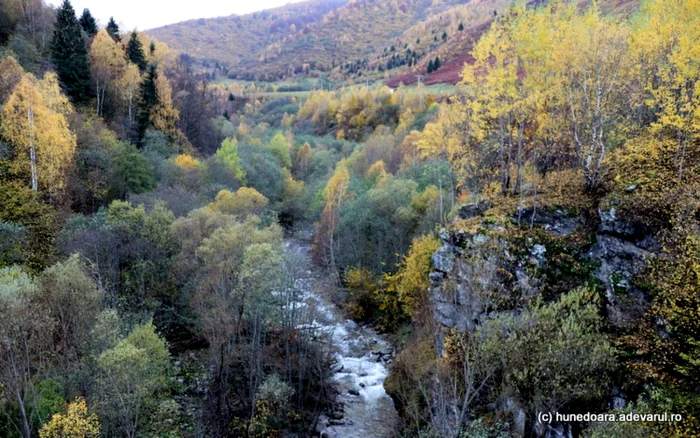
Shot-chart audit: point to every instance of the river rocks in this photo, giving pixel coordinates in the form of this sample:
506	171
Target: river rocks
361	407
336	414
384	356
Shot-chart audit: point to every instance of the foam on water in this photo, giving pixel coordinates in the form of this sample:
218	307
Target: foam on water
359	374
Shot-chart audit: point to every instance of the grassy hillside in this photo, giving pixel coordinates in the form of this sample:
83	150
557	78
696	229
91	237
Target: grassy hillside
303	37
238	41
392	40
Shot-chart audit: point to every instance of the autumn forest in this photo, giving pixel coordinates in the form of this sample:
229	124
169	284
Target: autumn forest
341	219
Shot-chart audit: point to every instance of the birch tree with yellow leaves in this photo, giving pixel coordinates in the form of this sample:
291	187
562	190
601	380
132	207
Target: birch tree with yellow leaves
108	64
595	70
335	196
34	125
665	43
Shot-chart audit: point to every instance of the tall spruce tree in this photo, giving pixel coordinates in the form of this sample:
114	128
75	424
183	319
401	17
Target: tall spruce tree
113	29
431	68
88	22
148	98
134	51
436	64
69	54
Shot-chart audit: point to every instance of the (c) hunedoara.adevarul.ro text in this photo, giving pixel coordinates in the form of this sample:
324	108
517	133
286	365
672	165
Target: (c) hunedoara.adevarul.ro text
548	417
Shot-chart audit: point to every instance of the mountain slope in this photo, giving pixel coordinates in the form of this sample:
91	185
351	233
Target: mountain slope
312	35
237	41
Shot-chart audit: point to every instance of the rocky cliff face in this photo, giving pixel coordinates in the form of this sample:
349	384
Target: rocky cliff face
482	271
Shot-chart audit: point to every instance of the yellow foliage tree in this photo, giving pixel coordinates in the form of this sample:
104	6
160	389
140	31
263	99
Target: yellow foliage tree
10	73
129	89
335	196
76	423
165	116
187	162
38	133
666	46
246	201
376	172
279	146
303	161
107	63
411	282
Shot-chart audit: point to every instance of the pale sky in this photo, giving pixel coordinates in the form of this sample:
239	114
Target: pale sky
147	14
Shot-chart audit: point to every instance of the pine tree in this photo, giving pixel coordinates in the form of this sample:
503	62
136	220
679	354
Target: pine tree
69	54
436	64
134	51
113	29
88	23
431	67
461	27
147	100
444	36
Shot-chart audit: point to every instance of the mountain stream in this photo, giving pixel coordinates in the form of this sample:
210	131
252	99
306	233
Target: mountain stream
361	357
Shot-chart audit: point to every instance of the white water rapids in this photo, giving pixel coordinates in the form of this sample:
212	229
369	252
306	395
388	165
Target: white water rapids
361	356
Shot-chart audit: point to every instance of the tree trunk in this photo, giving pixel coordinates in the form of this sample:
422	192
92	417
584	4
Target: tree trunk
32	149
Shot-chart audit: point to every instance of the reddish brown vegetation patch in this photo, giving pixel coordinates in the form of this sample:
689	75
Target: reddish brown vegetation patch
453	55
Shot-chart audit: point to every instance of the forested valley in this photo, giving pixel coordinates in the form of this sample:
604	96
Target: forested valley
189	255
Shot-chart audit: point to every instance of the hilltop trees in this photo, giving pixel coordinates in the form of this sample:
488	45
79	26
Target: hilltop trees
134	51
108	65
69	55
155	107
113	29
148	98
88	23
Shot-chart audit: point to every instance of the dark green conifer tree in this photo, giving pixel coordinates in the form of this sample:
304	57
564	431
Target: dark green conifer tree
431	68
436	64
69	54
7	24
148	98
134	51
88	23
444	36
461	27
113	29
